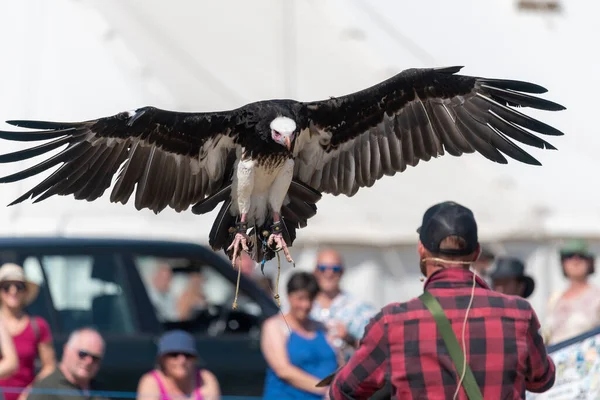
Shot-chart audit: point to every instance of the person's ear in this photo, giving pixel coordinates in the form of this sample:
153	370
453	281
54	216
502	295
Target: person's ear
477	252
421	249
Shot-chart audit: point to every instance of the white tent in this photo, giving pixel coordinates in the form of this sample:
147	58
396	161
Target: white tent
496	40
82	60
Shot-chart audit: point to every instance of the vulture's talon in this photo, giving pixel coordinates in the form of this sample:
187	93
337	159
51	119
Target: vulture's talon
240	242
277	243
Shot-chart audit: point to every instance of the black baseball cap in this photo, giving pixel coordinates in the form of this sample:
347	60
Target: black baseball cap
448	219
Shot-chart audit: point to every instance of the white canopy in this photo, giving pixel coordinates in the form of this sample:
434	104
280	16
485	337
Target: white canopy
83	60
115	56
495	39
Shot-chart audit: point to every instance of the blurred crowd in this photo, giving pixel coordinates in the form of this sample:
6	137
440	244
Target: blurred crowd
316	335
324	324
569	312
25	338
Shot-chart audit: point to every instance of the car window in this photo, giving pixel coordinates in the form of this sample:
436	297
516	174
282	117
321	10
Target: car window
185	290
87	290
33	271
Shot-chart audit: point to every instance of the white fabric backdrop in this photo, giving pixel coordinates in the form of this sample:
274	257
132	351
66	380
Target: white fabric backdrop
81	60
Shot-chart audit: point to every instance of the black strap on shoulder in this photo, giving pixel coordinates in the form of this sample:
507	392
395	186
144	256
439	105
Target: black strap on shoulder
454	349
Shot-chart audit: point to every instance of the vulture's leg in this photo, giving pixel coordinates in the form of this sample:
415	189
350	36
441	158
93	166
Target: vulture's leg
240	241
243	185
276	241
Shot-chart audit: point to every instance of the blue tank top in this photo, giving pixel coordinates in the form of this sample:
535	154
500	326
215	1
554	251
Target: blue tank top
314	356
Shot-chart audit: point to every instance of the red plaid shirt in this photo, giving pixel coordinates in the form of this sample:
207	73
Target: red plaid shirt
402	345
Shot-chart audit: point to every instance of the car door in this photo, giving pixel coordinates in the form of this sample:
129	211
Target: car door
195	295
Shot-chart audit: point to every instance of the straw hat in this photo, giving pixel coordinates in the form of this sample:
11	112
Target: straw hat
13	272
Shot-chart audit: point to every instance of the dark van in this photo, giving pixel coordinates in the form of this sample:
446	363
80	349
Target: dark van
115	285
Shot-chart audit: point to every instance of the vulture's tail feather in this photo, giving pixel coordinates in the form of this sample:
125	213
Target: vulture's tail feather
294	215
208	204
219	234
266	253
299	208
304	192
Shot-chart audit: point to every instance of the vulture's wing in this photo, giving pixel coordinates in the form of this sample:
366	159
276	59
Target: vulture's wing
352	141
174	158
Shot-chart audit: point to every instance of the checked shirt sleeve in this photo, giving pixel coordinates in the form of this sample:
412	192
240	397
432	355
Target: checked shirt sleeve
541	369
364	374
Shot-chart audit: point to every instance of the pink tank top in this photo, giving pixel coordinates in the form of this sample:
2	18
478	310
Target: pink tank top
165	396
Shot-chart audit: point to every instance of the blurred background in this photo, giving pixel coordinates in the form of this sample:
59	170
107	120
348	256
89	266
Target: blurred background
82	59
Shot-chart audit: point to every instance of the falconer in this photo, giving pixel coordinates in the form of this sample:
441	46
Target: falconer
417	347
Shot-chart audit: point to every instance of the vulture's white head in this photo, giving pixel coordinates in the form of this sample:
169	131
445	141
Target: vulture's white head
282	131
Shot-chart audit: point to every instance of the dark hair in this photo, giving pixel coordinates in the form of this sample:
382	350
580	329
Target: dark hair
453	243
591	265
303	281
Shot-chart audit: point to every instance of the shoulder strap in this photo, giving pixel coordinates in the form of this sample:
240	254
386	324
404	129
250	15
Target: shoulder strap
35	327
161	388
284	327
199	384
454	349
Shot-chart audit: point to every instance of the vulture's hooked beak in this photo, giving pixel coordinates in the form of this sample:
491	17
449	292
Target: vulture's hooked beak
288	143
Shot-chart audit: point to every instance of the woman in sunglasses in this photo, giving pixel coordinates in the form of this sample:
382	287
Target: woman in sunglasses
177	375
31	335
577	309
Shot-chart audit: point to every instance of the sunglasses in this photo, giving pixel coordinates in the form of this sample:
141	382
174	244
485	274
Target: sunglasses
5	286
574	254
334	268
84	354
177	354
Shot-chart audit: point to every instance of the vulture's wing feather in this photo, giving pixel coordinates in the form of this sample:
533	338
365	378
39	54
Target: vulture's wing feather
352	141
174	159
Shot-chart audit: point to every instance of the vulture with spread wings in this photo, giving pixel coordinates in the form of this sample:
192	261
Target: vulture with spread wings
268	162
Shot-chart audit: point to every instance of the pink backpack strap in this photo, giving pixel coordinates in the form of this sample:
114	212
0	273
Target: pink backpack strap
163	393
199	384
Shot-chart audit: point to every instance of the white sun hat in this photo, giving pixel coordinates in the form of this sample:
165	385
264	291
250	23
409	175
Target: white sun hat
15	273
